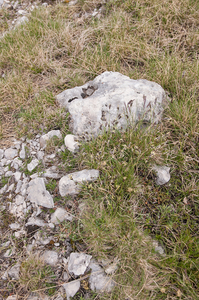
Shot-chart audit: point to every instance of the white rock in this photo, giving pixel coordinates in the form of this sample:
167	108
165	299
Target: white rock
111	100
36	221
18	188
68	187
21	21
60	215
67	184
8	174
14	226
16	163
78	263
12	297
14	271
71	143
3	189
9	252
1	153
32	165
11	187
19	200
40	155
22	153
98	280
46	137
22	12
17	176
51	172
38	194
163	175
71	288
50	258
10	153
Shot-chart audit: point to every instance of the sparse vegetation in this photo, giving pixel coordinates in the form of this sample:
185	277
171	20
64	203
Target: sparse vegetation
126	210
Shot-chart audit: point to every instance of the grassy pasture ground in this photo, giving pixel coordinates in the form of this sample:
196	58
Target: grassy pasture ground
149	39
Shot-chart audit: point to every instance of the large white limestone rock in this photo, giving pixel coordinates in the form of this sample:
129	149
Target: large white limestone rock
112	100
38	194
68	185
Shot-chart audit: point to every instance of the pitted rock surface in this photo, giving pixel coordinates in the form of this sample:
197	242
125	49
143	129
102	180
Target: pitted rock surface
112	100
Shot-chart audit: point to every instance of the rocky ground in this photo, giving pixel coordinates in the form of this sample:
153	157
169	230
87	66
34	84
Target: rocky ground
35	219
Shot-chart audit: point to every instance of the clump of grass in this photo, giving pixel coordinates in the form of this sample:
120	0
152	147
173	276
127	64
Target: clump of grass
35	274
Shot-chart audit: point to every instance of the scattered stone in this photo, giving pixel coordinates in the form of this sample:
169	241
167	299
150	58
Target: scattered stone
14	271
78	263
163	175
71	143
9	252
21	21
50	258
60	215
17	176
68	186
38	194
52	172
19	200
98	280
36	221
14	226
22	153
10	153
1	151
71	288
32	165
46	137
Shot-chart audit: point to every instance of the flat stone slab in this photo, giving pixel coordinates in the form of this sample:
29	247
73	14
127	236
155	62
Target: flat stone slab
112	100
68	185
78	263
71	288
38	194
98	280
60	215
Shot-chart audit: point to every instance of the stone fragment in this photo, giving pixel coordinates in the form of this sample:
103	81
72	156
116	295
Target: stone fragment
22	153
17	176
16	163
19	200
1	153
71	143
60	215
38	194
36	221
52	172
8	174
3	189
18	188
14	226
71	288
98	280
112	100
46	137
20	21
40	155
12	297
9	252
19	234
78	263
163	175
10	153
67	184
50	258
14	271
32	165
